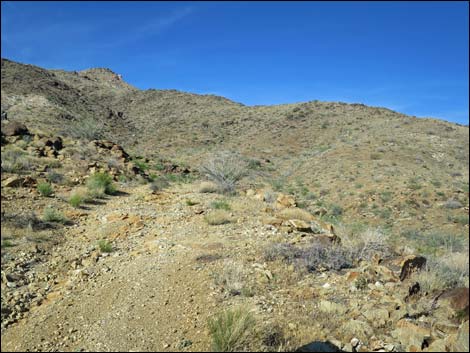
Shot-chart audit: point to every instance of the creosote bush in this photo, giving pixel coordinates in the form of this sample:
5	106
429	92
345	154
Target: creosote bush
225	170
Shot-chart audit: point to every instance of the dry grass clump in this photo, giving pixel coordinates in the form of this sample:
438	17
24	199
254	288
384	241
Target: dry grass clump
15	160
364	245
218	217
449	270
87	128
231	330
231	278
296	213
312	258
208	187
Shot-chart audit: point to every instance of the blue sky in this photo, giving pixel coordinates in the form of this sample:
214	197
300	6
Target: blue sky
412	57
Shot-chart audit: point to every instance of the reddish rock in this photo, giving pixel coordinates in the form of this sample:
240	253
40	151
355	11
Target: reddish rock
458	299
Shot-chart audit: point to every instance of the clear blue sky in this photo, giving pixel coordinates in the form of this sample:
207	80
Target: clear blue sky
412	57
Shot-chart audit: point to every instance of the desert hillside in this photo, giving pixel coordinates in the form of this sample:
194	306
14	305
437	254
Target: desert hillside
162	220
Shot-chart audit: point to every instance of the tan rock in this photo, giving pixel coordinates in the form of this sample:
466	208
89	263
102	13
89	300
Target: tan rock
15	182
285	201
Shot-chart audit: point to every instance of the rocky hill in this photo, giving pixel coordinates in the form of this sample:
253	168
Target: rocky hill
331	225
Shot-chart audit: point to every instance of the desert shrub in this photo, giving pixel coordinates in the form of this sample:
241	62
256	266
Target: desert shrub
461	219
100	183
87	128
141	164
113	163
449	270
53	215
253	164
218	217
433	242
230	330
221	205
414	184
45	189
5	243
76	199
54	177
231	278
158	184
225	170
29	220
208	187
15	161
364	245
280	251
273	338
452	204
315	257
179	178
105	246
385	196
336	210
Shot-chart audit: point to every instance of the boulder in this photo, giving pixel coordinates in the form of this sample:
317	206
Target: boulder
458	299
410	335
14	128
356	328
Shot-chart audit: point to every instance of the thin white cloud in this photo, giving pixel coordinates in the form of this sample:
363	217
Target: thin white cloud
154	27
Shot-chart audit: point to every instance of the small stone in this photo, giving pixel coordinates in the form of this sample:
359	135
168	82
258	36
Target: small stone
355	342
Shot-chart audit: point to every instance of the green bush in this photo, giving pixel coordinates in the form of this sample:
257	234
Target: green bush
76	200
45	189
105	246
53	215
221	205
99	184
230	330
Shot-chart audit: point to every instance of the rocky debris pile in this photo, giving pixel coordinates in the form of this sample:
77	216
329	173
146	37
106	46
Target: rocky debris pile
24	283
